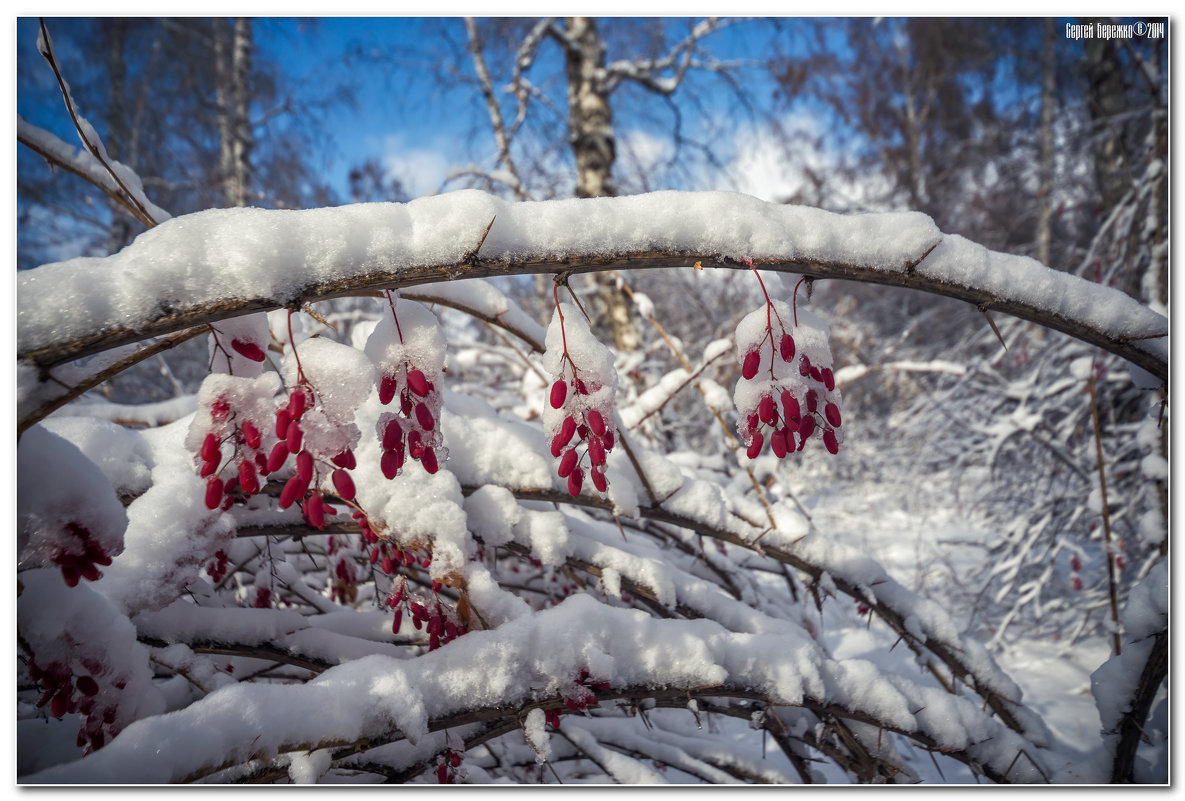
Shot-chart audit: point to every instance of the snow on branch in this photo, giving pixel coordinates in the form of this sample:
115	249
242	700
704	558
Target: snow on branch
218	264
498	674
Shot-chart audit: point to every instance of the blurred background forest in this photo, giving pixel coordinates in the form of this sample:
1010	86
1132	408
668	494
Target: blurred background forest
1005	131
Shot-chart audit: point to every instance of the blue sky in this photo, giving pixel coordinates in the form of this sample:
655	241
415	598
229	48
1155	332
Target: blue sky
401	116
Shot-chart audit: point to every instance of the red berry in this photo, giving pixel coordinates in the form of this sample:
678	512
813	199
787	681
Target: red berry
567	463
392	435
397	622
596	451
828	378
752	362
295	488
831	412
607	439
441	773
581	389
830	442
209	451
220	410
296	405
575	481
598	479
786	347
755	445
87	686
455	759
283	419
71	574
304	466
424	417
314	512
765	409
417	382
777	442
214	493
345	460
248	349
1075	563
387	388
247	479
391	462
279	454
812	400
251	434
557	447
559	393
596	422
428	461
567	429
343	484
210	468
294	437
805	428
1076	582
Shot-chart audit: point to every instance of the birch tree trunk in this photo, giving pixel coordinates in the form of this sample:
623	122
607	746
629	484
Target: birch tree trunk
1045	188
590	130
232	59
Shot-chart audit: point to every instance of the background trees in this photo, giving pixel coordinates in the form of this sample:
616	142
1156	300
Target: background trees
928	389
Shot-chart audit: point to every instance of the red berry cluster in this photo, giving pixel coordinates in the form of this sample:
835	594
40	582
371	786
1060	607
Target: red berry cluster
793	418
79	559
579	695
67	694
411	432
218	569
588	426
247	454
344	582
446	771
302	486
793	398
1075	578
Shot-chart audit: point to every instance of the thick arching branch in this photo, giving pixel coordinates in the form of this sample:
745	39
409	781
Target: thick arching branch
179	269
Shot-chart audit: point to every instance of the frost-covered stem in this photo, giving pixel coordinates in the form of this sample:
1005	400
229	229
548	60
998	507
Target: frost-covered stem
1116	636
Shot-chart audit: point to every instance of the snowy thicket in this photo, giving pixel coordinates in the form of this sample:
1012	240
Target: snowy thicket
394	542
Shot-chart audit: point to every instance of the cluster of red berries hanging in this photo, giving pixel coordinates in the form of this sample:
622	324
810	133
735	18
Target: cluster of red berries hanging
80	558
408	350
787	392
578	418
67	694
230	435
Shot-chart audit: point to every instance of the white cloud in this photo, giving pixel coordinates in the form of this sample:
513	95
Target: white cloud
421	170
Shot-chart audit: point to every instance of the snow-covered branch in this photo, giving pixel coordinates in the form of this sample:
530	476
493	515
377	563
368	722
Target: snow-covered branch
219	264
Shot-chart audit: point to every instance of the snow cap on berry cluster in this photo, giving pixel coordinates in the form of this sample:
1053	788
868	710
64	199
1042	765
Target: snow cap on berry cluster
67	513
787	392
342	378
225	402
580	406
408	350
593	361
